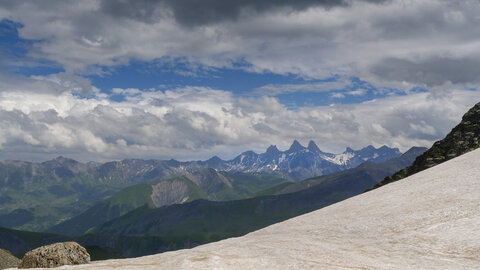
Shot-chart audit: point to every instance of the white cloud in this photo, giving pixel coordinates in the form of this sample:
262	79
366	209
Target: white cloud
337	95
357	92
430	43
196	122
276	89
396	43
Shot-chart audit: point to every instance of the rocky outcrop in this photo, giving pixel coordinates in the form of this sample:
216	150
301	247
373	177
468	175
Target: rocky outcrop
67	253
7	260
169	192
463	138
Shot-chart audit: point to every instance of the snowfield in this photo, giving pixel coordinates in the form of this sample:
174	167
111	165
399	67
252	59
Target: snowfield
430	220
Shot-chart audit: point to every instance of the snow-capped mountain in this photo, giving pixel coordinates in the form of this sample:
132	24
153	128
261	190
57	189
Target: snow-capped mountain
299	162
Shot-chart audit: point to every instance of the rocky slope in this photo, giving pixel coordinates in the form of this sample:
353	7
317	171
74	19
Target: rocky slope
463	138
418	223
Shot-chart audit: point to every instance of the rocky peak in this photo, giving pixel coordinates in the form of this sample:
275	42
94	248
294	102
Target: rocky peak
296	147
369	148
214	161
272	149
312	147
349	150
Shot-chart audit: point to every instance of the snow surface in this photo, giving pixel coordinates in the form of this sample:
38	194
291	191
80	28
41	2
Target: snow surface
430	220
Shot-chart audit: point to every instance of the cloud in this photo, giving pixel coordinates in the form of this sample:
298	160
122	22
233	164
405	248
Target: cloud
357	92
337	95
277	89
195	13
53	84
430	72
67	82
392	44
387	43
199	122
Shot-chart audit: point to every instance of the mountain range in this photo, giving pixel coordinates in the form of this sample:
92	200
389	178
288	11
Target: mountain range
36	196
299	162
149	229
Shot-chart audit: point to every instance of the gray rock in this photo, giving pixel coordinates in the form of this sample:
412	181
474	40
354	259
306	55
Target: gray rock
7	260
67	253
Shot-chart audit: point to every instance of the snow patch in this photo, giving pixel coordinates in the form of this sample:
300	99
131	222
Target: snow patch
340	159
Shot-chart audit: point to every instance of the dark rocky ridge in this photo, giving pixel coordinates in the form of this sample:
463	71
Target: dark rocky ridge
463	138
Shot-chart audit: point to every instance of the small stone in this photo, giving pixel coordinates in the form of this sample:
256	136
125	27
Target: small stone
67	253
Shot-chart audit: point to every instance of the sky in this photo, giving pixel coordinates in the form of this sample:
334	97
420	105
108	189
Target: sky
188	79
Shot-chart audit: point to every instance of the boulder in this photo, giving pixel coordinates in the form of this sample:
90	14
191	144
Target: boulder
7	260
67	253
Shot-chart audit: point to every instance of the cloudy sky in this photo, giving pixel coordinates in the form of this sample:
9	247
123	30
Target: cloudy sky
188	79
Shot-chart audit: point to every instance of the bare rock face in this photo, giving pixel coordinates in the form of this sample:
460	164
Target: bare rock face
169	192
67	253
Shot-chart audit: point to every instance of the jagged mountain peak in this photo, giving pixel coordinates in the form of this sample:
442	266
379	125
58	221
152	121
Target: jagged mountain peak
272	149
299	162
214	158
214	162
368	148
296	146
312	146
349	150
249	153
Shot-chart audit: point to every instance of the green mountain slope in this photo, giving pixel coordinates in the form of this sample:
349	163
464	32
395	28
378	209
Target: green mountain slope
34	196
203	184
115	206
202	221
463	138
37	196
